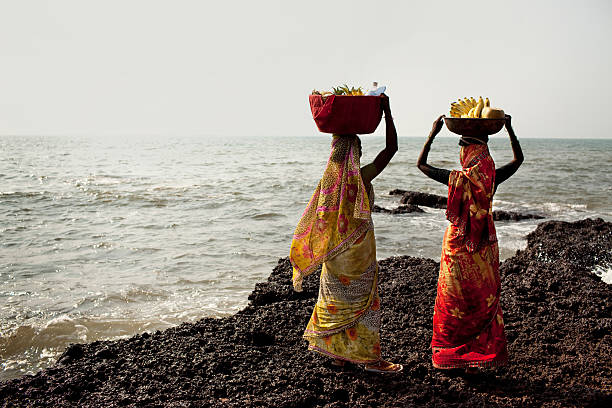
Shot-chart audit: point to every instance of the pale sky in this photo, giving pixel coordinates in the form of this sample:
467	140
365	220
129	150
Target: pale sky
245	68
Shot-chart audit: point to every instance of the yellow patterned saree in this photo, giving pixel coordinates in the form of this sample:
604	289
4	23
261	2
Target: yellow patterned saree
336	231
345	322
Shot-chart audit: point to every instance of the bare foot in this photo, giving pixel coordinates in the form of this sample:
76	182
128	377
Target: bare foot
383	366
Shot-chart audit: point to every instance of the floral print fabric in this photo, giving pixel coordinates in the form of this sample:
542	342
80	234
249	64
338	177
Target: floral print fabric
468	326
470	196
337	214
345	322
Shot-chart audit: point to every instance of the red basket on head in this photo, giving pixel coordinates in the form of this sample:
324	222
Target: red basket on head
343	114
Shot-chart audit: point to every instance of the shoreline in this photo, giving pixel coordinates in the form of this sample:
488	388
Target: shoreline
558	321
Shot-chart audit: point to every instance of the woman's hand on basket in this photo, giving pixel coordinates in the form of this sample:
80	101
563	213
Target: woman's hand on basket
436	127
508	125
385	105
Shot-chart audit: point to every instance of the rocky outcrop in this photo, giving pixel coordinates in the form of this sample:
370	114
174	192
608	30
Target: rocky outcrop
402	209
417	198
558	319
425	199
500	215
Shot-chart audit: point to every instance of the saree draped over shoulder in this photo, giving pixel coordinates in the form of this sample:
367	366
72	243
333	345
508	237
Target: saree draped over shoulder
336	231
468	326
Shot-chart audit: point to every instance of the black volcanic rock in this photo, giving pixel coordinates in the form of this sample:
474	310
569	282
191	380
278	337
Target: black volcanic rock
437	201
558	319
425	199
501	215
402	209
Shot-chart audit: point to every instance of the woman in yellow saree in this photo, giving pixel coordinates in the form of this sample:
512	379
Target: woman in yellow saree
336	231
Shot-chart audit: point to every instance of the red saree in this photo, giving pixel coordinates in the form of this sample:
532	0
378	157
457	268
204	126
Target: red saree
468	326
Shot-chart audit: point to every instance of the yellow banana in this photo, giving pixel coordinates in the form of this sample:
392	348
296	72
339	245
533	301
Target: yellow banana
455	113
455	106
462	106
487	103
479	107
471	113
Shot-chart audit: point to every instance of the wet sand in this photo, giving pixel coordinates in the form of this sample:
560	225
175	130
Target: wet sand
558	317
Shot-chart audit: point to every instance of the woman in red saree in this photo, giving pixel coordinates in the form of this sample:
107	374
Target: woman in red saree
468	326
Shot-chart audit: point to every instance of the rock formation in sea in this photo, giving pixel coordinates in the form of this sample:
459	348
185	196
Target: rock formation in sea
418	198
402	209
415	198
500	215
558	318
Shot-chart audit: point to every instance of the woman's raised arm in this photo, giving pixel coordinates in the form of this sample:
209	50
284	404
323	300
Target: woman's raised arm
440	175
505	172
384	157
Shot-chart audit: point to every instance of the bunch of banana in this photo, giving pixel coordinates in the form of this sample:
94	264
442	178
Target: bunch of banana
344	90
341	90
469	107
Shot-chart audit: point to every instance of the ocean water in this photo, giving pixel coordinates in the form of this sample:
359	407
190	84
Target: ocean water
103	238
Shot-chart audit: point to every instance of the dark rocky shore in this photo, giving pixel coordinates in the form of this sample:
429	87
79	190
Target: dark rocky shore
558	320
